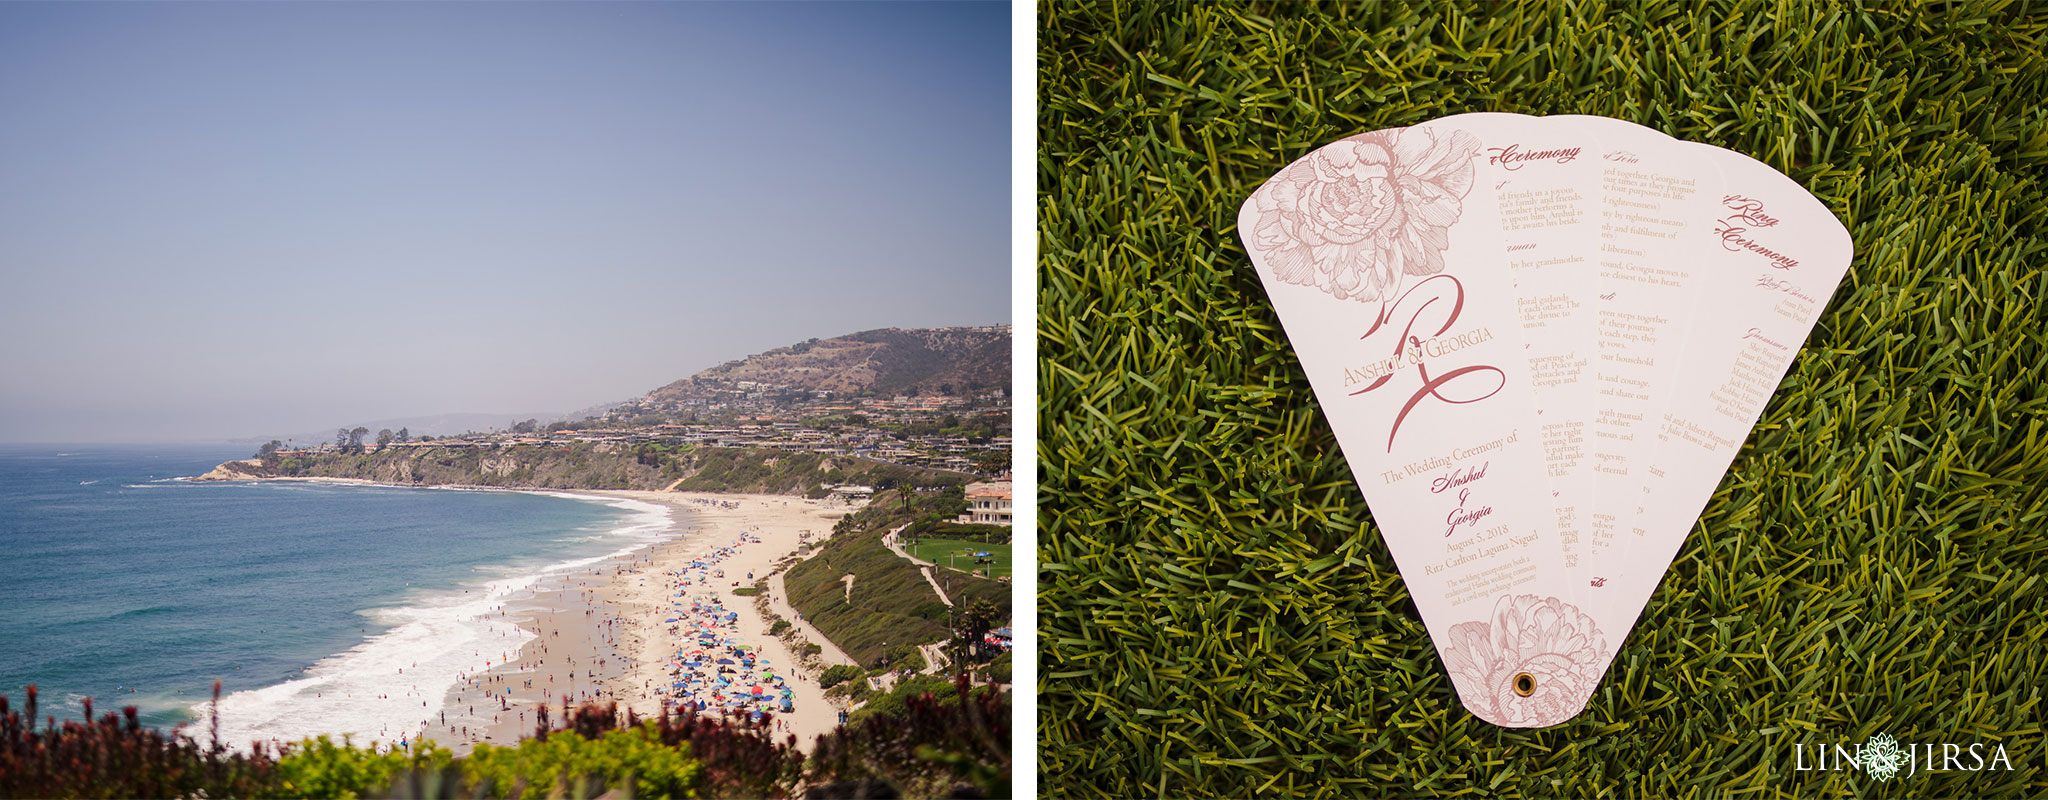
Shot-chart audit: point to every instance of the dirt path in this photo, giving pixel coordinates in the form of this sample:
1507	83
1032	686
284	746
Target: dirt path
889	539
848	580
778	601
935	585
934	657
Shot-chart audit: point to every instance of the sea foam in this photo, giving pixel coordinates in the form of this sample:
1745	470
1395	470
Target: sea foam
393	684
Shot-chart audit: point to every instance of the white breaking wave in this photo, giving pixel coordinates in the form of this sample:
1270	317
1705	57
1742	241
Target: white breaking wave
393	685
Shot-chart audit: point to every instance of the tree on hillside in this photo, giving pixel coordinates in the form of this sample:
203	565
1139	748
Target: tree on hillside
404	434
355	439
982	617
951	502
269	449
384	438
341	439
970	634
527	426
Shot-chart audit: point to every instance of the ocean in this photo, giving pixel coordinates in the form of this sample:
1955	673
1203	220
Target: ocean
128	586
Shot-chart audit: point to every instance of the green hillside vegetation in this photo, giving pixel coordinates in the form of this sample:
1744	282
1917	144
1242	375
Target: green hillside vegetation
721	469
894	701
1220	615
891	601
608	466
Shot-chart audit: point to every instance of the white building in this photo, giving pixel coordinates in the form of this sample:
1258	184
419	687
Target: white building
988	503
851	492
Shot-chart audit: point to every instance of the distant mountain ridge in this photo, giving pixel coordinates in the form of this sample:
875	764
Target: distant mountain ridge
877	363
883	363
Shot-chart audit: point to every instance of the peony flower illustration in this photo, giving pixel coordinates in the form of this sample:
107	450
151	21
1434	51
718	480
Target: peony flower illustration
1532	665
1355	216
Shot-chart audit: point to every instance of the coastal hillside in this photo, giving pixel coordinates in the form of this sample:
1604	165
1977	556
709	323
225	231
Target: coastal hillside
875	604
592	466
886	362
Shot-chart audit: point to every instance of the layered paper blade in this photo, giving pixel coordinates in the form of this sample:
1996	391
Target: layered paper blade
1540	342
1382	254
1774	255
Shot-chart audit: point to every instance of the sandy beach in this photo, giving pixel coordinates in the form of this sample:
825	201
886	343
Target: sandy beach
614	631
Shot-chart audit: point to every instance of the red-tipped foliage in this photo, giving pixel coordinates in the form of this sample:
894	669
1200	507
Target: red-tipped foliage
967	734
114	756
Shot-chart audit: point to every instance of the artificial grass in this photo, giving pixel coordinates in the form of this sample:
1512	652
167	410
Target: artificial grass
1219	616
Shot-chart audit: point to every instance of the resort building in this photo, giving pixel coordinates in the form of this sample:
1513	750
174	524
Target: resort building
989	503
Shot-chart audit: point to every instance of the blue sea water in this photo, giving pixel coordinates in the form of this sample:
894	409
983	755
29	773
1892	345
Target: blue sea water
123	584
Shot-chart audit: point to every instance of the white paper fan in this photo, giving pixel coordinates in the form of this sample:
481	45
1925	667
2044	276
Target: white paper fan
1516	326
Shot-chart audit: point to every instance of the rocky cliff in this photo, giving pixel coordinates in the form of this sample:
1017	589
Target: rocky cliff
245	470
593	466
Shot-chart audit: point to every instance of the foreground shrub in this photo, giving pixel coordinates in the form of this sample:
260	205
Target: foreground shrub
318	767
937	744
632	759
838	674
933	744
737	758
115	756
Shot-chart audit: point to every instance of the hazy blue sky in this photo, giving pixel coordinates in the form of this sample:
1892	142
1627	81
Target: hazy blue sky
237	219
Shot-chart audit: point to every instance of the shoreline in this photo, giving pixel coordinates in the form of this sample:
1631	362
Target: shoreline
611	630
612	633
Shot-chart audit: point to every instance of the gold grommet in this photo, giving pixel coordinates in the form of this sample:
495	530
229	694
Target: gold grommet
1525	684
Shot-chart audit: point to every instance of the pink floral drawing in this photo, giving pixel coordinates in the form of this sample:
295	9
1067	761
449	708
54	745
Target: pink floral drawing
1355	216
1533	665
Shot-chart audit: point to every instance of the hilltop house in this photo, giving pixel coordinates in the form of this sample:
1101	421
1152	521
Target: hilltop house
988	503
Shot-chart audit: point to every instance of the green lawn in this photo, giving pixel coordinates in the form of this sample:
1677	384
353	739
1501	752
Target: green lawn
1221	618
960	555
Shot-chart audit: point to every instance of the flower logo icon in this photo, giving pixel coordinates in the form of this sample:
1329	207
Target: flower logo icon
1882	757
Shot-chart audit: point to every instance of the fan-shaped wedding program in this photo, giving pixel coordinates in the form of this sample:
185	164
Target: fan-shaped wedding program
1540	342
